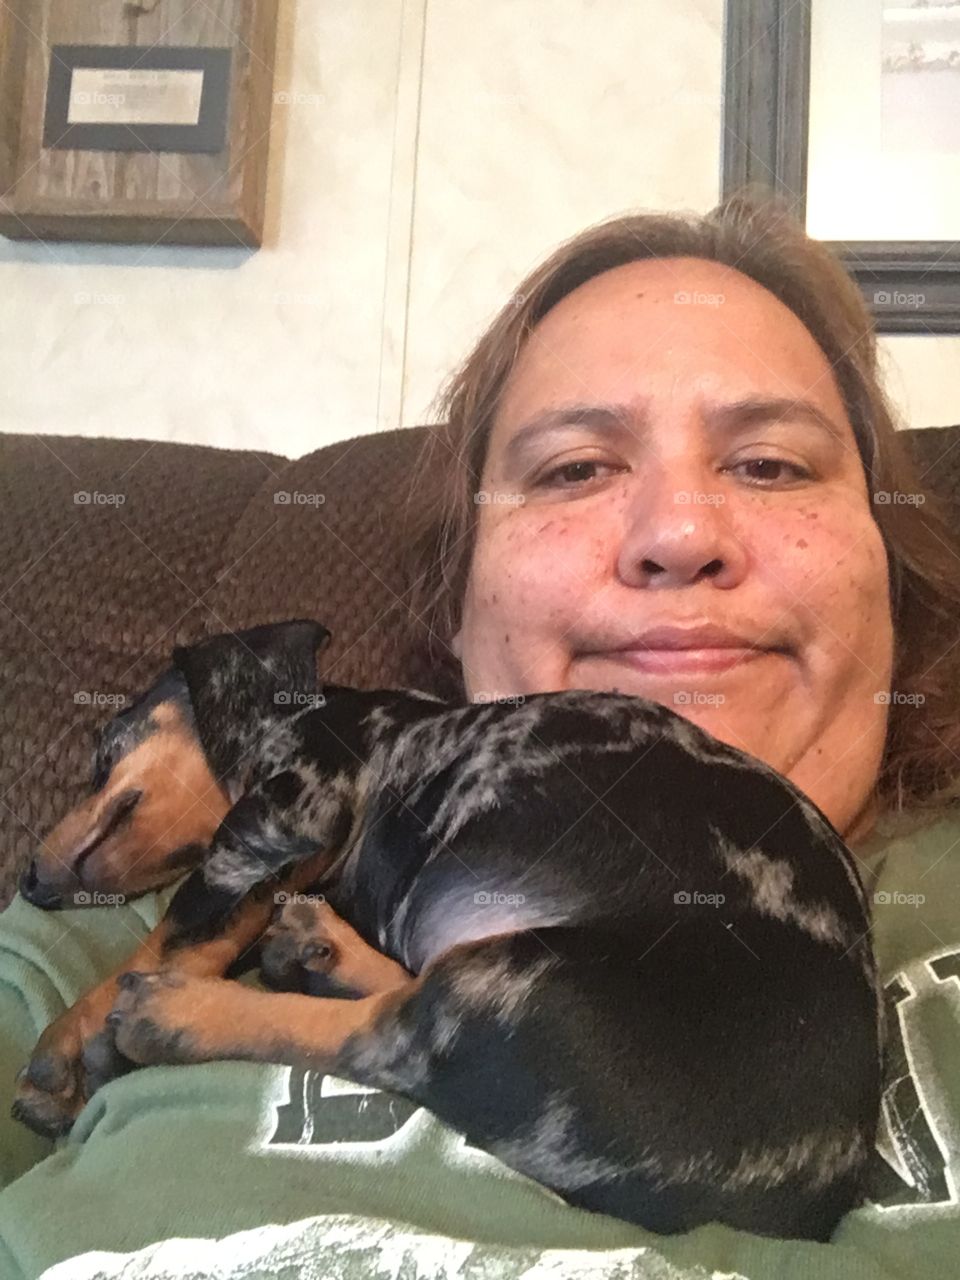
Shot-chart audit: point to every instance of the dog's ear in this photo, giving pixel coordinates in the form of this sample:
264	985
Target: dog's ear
238	678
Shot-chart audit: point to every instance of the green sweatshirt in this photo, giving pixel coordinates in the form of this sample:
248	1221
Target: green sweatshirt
249	1170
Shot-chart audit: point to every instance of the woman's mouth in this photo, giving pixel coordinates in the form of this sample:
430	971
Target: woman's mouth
683	661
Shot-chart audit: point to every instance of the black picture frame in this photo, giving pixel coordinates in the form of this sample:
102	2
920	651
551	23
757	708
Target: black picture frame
208	135
766	87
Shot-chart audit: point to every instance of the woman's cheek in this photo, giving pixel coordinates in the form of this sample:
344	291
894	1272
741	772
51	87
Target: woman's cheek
809	544
863	608
526	560
833	564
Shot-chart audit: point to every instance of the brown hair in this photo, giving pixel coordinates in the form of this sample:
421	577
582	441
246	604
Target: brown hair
755	233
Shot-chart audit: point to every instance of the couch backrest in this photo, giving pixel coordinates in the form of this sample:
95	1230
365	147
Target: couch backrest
174	542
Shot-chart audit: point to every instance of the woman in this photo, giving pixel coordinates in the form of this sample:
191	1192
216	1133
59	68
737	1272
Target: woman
675	425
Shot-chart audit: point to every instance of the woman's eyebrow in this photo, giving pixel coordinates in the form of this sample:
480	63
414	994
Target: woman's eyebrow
616	420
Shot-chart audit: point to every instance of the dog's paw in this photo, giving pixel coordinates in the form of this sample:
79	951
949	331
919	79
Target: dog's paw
49	1111
158	1017
74	1057
103	1061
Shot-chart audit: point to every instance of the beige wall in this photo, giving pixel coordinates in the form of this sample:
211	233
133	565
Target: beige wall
424	158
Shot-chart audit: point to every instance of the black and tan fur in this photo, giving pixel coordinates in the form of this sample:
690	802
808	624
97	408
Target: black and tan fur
629	960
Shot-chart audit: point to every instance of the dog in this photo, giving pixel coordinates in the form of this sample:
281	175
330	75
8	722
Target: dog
628	960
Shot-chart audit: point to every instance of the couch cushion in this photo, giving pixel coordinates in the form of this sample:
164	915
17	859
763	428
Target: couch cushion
322	539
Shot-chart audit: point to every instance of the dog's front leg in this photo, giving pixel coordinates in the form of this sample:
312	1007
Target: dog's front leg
175	1018
75	1055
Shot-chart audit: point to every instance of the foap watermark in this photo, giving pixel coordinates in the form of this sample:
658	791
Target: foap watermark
696	298
695	498
94	698
94	498
895	498
85	898
295	698
694	898
282	898
498	498
86	298
297	499
291	98
697	698
894	298
896	698
501	699
486	898
96	98
894	898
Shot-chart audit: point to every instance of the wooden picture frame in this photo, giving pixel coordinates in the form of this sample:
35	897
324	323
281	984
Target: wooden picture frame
766	106
175	179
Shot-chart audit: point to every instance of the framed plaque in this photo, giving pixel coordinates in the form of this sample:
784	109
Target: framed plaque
136	122
125	98
850	112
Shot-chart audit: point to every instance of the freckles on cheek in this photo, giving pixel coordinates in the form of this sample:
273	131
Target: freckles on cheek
804	557
530	575
559	546
835	563
791	548
808	545
537	564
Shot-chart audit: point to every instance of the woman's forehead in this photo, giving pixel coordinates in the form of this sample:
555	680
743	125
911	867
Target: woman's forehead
665	329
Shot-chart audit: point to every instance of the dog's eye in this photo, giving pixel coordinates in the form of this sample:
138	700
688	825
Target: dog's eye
104	758
101	770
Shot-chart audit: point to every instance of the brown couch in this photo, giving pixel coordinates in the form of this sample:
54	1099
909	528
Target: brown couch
95	594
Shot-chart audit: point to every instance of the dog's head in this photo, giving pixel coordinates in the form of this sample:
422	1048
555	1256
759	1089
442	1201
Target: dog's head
165	768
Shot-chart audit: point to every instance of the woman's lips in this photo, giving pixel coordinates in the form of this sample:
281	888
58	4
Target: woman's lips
683	661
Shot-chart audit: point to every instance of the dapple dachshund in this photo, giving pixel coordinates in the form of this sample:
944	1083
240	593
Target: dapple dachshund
630	961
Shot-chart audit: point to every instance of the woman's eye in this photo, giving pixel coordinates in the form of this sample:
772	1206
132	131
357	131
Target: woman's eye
799	473
579	471
565	469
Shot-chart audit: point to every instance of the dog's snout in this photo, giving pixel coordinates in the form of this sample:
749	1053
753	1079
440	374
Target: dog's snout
68	848
32	888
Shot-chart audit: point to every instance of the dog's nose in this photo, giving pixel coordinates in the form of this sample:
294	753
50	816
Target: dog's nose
39	894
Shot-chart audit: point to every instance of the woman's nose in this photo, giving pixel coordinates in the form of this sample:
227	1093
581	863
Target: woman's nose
680	534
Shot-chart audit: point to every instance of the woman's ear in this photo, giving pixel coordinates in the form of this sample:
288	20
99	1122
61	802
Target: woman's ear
456	644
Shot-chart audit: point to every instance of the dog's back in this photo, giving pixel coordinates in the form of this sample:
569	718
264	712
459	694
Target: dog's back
658	953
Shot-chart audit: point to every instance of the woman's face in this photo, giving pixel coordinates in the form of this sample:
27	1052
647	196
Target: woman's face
686	506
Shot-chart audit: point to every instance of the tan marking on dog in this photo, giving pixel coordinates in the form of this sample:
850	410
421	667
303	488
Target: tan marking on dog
182	804
355	964
220	1019
486	979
